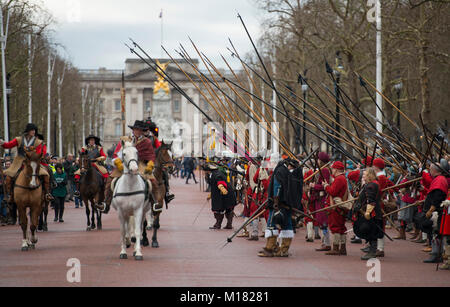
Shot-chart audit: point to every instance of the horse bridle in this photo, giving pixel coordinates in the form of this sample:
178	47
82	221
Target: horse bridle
131	160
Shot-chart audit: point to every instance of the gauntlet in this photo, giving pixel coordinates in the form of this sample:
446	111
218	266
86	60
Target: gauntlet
369	210
118	163
222	189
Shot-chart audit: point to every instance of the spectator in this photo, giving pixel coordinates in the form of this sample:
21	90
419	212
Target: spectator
78	202
69	165
60	192
190	167
3	211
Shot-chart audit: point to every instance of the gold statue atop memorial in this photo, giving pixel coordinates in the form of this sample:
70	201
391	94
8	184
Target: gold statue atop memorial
160	83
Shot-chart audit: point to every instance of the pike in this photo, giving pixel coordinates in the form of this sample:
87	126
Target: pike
268	75
229	98
407	207
316	172
175	85
402	184
335	146
260	211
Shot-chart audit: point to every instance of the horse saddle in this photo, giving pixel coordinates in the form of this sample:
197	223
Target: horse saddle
147	191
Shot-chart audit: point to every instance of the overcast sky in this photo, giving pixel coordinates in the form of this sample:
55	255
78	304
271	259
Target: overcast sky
94	31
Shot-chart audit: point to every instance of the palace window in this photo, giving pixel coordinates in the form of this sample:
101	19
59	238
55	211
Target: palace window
148	106
118	105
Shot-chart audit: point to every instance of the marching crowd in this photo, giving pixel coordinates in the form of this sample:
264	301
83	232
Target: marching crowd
279	195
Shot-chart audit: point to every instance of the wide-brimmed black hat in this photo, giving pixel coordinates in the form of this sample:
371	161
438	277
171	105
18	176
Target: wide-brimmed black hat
139	125
97	140
31	127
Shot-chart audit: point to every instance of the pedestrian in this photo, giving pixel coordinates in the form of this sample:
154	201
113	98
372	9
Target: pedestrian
68	165
76	193
60	192
190	167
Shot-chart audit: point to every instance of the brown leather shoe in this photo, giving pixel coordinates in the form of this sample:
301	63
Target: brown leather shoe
253	238
334	251
427	249
379	254
343	250
323	248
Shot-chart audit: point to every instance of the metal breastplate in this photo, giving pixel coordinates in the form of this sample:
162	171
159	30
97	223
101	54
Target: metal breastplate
93	152
21	148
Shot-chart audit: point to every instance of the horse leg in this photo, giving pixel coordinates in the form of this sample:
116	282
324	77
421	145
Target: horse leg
33	225
23	221
123	232
88	213
45	211
156	226
41	221
99	219
131	227
144	241
93	214
127	232
149	220
138	216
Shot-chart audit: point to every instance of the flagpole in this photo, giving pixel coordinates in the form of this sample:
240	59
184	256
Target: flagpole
162	32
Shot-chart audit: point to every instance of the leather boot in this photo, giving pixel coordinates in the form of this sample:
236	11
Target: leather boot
401	235
48	195
372	251
334	251
284	249
415	234
108	195
219	219
343	242
269	250
446	264
229	216
436	256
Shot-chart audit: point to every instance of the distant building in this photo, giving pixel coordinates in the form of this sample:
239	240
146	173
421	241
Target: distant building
171	111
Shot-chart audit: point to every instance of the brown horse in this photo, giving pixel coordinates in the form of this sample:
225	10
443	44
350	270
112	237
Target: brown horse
163	163
28	194
91	190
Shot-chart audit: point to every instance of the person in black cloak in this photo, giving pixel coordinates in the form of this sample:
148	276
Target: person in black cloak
223	197
285	193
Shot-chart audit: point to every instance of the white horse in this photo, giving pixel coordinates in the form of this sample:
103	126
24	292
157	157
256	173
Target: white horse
130	199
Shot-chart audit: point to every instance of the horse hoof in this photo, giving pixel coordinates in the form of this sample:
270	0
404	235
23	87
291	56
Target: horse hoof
45	228
99	228
145	242
123	256
33	246
138	258
133	240
155	244
88	229
25	249
93	227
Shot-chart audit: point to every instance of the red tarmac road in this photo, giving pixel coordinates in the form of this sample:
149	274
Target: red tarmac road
190	255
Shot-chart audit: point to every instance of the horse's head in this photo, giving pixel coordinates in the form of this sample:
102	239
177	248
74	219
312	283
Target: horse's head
32	165
130	158
164	157
85	163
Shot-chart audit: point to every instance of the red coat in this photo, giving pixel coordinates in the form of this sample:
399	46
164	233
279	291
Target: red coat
445	221
260	197
42	148
336	218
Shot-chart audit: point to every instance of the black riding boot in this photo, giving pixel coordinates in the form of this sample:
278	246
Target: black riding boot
229	215
108	195
219	219
168	197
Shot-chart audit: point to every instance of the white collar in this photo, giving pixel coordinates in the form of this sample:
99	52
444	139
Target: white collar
381	173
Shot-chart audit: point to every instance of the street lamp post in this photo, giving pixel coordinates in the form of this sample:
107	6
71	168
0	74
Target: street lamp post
398	89
305	89
338	73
